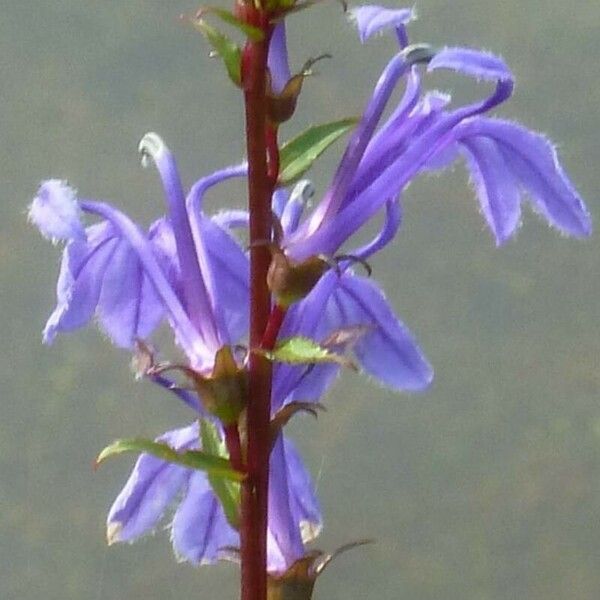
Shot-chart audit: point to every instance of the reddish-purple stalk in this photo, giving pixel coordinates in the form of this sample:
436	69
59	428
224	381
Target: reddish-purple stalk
234	446
254	498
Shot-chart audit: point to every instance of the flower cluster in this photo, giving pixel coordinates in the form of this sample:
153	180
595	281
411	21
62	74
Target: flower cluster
190	270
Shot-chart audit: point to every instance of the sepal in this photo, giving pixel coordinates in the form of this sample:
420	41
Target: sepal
223	393
283	416
298	582
281	105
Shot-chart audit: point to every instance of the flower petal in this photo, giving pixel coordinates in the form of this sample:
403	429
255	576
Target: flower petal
224	265
197	297
286	539
229	268
56	213
391	224
307	318
371	19
496	188
151	487
304	504
475	63
105	277
387	351
299	199
129	308
200	531
80	280
186	333
278	58
532	161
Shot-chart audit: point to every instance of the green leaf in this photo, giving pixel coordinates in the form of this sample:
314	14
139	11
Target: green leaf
302	350
253	33
193	459
224	47
228	492
298	155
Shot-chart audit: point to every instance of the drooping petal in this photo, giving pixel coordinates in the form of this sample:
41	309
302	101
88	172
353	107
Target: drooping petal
306	318
496	188
387	351
286	539
104	277
129	307
200	532
80	280
186	333
532	161
306	510
371	19
151	487
56	212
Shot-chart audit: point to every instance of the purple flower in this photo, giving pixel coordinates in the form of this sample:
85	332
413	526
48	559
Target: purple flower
199	530
386	350
424	133
130	279
189	269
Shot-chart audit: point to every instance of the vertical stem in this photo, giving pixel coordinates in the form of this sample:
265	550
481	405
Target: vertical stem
253	530
273	326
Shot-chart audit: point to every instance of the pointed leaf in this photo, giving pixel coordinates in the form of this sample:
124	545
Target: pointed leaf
253	33
302	350
224	47
193	459
298	155
228	492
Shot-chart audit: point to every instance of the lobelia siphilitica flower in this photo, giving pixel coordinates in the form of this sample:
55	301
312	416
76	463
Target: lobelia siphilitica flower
189	270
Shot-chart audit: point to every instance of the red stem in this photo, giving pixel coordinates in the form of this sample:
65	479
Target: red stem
273	326
234	446
253	530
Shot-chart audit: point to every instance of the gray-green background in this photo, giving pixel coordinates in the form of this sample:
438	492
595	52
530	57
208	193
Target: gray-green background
484	488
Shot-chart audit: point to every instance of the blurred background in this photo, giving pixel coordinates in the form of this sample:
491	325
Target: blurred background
484	488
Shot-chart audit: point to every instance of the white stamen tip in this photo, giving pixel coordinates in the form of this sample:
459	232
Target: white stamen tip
151	147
